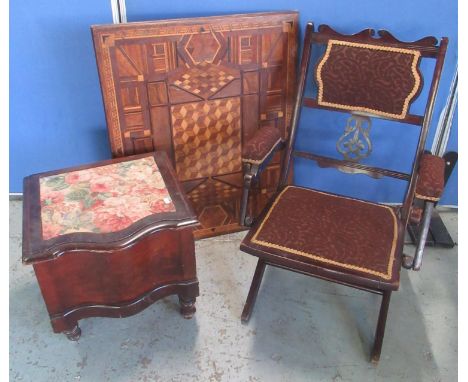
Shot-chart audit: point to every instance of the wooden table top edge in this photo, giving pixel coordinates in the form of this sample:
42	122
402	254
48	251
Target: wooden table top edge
195	20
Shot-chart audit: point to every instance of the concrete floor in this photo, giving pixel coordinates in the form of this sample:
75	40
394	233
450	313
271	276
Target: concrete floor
302	329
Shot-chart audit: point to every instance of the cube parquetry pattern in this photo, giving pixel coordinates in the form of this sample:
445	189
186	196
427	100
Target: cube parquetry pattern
207	138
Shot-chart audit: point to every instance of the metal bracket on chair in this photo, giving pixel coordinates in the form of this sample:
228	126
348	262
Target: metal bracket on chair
415	262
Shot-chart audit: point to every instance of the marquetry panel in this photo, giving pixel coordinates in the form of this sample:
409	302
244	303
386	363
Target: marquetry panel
204	80
198	89
207	138
157	93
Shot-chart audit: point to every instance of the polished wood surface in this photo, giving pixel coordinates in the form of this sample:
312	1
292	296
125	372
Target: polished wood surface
114	274
198	89
357	168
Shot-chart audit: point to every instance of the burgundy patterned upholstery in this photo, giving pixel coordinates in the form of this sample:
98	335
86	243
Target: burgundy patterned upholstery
430	184
261	145
333	232
378	79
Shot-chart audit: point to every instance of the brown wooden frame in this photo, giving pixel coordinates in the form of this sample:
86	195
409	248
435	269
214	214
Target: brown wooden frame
428	48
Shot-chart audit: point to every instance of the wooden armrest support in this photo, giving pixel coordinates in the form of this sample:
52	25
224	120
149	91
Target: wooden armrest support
256	154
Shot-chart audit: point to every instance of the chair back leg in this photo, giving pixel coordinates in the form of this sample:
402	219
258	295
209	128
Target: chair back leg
379	333
254	287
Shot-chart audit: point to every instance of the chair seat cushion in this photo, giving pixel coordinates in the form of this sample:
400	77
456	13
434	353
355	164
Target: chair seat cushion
348	237
102	199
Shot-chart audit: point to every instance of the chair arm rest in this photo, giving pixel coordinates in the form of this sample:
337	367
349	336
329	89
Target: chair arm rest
258	148
431	179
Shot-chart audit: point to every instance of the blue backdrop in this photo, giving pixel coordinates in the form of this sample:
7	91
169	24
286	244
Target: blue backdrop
56	112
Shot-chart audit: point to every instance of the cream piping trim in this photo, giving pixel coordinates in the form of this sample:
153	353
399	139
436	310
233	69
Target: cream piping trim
414	70
431	198
386	276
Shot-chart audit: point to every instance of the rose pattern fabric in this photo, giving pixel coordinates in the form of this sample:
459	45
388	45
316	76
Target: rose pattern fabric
102	199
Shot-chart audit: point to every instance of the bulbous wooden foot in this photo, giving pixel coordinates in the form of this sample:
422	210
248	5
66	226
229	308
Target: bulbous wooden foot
187	306
73	334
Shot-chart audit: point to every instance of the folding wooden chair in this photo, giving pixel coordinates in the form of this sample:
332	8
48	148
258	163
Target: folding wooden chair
336	238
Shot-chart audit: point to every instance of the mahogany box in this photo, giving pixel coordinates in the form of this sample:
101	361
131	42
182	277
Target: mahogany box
109	239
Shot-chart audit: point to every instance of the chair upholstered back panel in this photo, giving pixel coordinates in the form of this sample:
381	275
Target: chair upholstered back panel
377	79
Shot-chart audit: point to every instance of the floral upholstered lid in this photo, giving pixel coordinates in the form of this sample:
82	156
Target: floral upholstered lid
102	199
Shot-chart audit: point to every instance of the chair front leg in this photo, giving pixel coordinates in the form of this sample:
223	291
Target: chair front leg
380	331
253	292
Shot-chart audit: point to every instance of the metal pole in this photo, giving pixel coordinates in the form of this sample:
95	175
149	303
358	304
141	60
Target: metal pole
446	118
426	221
119	11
